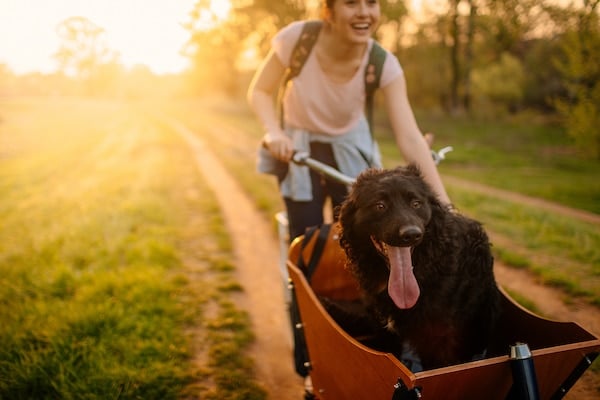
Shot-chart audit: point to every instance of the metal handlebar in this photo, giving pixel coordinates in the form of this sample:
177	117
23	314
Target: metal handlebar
440	155
303	158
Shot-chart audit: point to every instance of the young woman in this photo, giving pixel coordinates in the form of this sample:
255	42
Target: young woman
324	110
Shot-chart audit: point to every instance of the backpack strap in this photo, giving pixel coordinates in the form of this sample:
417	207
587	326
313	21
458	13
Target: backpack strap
303	47
373	78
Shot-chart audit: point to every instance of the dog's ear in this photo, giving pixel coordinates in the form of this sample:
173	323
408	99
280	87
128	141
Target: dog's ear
346	214
348	207
413	169
347	210
368	174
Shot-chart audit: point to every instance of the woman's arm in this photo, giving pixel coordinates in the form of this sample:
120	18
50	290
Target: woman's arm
409	138
261	95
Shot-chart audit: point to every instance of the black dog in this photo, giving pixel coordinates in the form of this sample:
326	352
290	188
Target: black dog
424	271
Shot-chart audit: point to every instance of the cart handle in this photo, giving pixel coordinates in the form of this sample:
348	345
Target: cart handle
440	155
303	158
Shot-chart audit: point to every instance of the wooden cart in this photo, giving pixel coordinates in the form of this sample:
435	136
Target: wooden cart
341	367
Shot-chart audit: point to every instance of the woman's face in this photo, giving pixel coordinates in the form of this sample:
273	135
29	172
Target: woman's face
354	20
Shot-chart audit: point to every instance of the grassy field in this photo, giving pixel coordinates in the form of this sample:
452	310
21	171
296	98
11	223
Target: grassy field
524	153
116	273
100	208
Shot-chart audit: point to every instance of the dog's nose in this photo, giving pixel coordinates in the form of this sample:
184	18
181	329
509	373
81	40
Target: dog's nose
410	235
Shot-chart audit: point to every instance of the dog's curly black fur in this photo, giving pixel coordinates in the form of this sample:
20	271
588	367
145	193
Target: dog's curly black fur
454	316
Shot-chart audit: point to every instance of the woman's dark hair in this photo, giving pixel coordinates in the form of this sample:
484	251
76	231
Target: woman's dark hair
326	7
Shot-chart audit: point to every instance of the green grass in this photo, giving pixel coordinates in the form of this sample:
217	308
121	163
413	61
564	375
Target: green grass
525	153
564	252
95	301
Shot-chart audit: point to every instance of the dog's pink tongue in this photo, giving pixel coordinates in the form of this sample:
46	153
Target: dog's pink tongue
402	285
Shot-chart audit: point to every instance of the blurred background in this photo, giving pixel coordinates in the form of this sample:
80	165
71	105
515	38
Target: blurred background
482	57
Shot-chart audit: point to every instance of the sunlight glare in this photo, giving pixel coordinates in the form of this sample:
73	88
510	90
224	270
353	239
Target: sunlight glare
220	8
143	32
213	14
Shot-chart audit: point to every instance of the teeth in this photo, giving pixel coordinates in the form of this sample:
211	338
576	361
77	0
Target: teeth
360	26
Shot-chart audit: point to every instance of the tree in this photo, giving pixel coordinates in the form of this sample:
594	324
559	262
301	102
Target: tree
282	12
393	13
508	22
83	50
578	64
468	63
501	82
455	63
478	33
215	46
455	28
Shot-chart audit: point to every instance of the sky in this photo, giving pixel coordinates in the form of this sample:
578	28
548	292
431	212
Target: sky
143	31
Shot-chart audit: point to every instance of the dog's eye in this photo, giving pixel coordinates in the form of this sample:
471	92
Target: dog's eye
416	203
380	206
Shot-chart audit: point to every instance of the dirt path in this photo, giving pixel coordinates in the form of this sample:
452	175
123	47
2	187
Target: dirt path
524	199
257	256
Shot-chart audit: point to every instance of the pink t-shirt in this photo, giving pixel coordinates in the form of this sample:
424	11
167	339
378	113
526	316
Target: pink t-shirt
313	101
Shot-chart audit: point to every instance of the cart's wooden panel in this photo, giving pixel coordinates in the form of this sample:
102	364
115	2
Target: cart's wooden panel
492	378
342	368
520	325
331	279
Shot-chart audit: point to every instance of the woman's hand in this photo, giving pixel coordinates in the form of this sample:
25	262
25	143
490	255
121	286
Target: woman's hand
279	145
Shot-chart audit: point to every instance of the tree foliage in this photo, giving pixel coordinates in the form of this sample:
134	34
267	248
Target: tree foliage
501	82
82	48
505	24
83	52
463	54
578	64
477	33
216	47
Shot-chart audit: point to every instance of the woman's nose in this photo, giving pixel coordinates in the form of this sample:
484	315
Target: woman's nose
362	7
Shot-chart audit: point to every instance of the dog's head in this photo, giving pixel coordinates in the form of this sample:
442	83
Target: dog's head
385	215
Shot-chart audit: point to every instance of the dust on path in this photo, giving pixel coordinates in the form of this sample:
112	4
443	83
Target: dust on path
257	257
